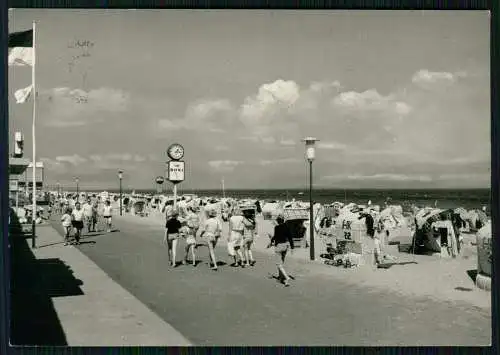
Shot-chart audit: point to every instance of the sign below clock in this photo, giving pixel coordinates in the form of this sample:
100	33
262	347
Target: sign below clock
175	171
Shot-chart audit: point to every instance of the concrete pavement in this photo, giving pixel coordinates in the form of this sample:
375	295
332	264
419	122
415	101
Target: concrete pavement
100	312
236	306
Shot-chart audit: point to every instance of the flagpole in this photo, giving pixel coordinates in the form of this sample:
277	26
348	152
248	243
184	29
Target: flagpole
33	81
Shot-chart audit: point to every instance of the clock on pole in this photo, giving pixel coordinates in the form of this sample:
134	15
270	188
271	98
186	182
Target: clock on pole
175	151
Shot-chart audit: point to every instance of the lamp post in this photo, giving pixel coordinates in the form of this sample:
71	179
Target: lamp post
120	177
58	189
77	180
310	155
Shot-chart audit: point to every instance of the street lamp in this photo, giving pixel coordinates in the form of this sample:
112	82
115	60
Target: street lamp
77	180
310	155
58	189
120	177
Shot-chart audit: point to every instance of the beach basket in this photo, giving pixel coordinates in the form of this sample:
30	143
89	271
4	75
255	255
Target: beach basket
484	251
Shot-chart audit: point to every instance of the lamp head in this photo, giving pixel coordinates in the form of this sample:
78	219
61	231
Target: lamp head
310	151
120	174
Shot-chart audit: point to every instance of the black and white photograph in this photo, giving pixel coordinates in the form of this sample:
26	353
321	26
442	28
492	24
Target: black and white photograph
249	177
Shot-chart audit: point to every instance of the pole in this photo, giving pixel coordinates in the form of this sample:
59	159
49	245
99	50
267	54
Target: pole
175	196
77	191
33	81
121	210
223	190
311	220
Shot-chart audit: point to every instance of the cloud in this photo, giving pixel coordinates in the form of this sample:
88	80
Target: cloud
74	159
425	78
54	166
67	107
331	146
116	160
370	100
221	148
206	108
271	97
379	177
278	161
224	165
288	142
203	115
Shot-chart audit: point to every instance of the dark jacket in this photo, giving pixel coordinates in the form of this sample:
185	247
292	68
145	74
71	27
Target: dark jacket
282	235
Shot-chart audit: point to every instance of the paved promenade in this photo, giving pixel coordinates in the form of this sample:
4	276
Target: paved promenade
324	306
88	307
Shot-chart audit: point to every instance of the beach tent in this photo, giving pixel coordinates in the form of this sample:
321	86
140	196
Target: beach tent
270	210
484	250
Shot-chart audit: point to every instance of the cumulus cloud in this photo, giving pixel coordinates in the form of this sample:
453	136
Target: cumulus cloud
66	107
370	100
224	165
270	97
425	78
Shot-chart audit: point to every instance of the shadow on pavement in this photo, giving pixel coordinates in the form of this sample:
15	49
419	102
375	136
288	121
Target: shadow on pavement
33	319
472	274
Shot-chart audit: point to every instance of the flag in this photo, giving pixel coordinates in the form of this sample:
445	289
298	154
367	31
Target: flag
21	48
22	95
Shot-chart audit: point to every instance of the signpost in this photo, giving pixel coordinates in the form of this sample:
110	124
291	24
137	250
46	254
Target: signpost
175	167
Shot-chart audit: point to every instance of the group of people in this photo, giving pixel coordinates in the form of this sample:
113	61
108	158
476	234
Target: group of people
75	217
242	231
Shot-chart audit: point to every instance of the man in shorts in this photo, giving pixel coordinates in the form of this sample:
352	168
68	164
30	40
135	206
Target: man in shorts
106	214
77	218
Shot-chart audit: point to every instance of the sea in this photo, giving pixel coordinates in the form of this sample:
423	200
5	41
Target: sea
441	198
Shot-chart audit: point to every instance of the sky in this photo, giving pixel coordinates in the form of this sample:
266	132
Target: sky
397	99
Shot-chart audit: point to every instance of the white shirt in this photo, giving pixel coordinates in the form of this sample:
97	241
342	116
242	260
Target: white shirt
87	210
66	220
77	215
106	211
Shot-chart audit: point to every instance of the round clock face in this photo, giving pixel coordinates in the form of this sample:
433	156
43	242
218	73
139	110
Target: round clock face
175	151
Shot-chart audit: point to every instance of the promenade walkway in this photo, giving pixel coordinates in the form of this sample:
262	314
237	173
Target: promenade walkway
234	306
60	297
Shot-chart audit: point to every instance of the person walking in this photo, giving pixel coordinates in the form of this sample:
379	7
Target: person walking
282	241
67	225
106	214
192	226
87	212
249	232
235	237
77	221
172	228
211	233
